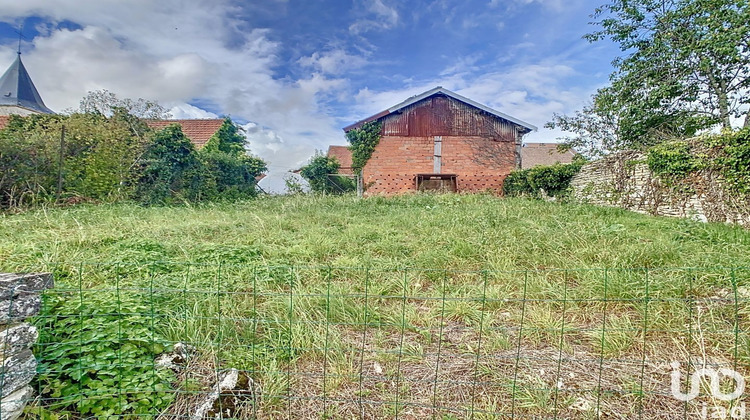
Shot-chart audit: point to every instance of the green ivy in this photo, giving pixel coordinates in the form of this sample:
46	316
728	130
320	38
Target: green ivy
735	161
554	180
673	161
362	142
96	359
728	154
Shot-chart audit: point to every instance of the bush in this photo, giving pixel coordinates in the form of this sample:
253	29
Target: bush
97	358
540	181
318	174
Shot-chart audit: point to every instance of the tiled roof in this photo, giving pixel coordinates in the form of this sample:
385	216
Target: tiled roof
536	154
198	131
344	156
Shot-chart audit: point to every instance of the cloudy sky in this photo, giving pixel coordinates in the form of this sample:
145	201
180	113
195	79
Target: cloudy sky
294	72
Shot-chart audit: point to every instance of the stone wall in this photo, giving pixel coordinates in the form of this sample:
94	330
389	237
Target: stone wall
624	180
20	298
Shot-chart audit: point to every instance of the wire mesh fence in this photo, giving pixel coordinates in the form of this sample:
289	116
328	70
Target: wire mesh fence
160	339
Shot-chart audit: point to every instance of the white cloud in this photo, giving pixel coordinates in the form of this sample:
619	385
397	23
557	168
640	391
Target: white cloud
333	62
379	17
187	111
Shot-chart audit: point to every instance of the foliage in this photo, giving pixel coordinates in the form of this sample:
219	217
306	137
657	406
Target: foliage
96	356
362	142
685	70
542	181
673	161
727	154
292	185
319	175
170	169
735	161
231	171
118	157
106	103
97	158
686	56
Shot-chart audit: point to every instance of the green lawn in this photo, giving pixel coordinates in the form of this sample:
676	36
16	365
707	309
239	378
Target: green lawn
453	306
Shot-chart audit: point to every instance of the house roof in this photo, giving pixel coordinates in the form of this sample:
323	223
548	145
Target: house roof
17	89
436	91
198	131
342	154
536	154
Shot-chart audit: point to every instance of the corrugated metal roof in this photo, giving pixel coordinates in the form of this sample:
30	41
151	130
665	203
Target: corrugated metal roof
17	89
437	91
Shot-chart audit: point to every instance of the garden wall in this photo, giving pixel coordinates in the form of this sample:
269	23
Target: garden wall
20	298
624	180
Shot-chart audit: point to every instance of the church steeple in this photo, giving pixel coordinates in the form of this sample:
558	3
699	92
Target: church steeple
18	95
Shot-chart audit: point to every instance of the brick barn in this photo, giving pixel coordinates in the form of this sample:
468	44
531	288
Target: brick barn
440	140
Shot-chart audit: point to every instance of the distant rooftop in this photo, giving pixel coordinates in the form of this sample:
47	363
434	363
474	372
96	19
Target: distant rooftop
17	89
198	131
536	154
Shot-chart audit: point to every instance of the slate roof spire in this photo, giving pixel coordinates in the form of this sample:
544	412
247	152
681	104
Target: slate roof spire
17	89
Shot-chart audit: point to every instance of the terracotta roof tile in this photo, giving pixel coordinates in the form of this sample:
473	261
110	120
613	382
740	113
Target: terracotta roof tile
198	131
344	156
536	154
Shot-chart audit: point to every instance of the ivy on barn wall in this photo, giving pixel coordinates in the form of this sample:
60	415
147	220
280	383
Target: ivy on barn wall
362	142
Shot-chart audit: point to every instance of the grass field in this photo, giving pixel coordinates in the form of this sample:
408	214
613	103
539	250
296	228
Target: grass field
451	306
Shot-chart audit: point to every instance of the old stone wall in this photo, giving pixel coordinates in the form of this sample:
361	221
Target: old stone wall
624	180
20	298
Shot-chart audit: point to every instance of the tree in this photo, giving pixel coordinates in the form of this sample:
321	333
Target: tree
686	68
233	170
685	55
320	174
171	168
107	103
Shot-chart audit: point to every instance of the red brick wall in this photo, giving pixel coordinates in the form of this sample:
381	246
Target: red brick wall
479	162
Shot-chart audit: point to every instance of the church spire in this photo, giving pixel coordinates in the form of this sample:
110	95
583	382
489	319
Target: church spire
17	89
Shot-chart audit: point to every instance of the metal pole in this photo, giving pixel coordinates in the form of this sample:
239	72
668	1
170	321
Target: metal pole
60	163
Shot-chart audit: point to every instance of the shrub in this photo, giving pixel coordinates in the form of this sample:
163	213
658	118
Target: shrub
97	357
318	174
552	181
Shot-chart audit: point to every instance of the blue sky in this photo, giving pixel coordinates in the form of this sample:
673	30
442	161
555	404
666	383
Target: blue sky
295	72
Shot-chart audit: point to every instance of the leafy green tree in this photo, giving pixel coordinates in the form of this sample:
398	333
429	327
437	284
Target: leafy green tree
170	169
232	169
320	174
686	68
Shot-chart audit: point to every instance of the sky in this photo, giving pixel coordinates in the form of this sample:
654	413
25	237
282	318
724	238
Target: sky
294	72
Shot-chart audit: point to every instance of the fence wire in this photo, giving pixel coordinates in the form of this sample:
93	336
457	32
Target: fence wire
154	339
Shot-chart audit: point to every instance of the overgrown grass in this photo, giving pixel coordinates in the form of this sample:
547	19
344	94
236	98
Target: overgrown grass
385	306
442	231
